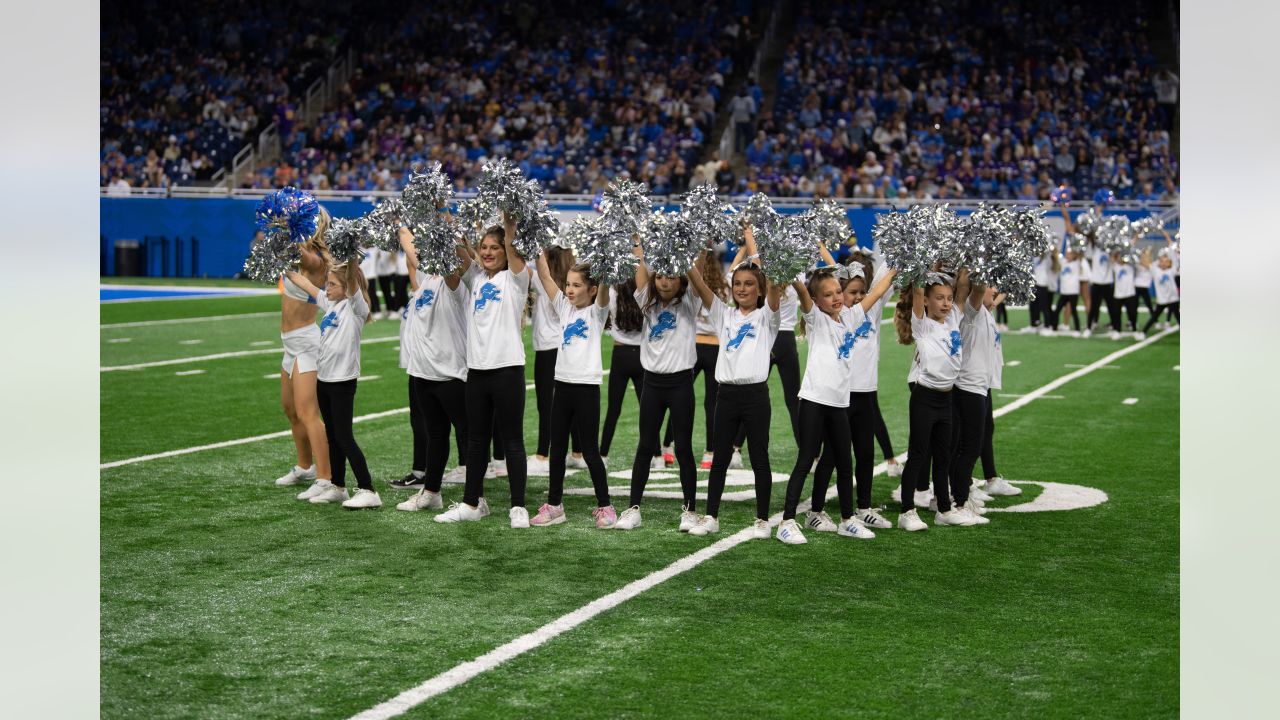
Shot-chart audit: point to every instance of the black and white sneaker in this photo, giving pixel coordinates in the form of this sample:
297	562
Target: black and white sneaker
408	482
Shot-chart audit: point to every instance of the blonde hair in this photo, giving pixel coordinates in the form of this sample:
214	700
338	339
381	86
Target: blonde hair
350	275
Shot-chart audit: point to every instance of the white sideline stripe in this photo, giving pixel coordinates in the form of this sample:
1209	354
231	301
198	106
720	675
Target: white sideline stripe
190	342
1130	401
221	356
1042	397
180	321
125	340
255	438
260	343
189	372
1013	363
1078	365
462	673
364	378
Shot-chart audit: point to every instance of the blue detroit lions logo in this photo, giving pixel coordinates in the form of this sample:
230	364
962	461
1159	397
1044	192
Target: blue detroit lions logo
1166	279
426	299
1066	270
578	328
842	352
1122	272
746	330
666	321
864	330
488	292
997	338
328	321
955	343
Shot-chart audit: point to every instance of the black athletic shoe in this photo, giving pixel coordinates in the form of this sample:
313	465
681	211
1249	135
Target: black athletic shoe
408	482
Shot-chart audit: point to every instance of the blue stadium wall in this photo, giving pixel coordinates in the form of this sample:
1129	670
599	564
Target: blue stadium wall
223	229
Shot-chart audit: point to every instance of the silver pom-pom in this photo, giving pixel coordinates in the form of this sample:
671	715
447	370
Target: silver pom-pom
707	216
344	238
382	225
426	193
606	247
626	204
919	241
1087	223
786	247
1077	242
669	244
474	217
503	187
575	235
759	212
827	222
435	241
271	257
1113	234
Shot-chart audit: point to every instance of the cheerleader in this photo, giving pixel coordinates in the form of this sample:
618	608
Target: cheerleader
1072	283
499	285
1126	289
301	339
1166	286
434	333
832	331
667	353
345	303
1102	281
581	311
386	274
707	349
934	329
863	410
369	267
744	337
994	484
625	323
1044	273
546	341
400	280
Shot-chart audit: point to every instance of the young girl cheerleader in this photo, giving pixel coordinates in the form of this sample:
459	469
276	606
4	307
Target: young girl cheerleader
625	323
369	266
1166	286
971	399
994	484
301	339
385	264
862	411
832	331
1126	288
744	335
498	285
1044	273
707	349
1072	281
345	303
435	335
667	353
546	341
575	407
934	329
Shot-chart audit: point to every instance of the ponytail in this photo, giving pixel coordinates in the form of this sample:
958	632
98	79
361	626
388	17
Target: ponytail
902	315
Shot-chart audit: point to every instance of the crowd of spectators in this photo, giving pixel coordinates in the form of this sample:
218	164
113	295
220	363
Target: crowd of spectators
964	98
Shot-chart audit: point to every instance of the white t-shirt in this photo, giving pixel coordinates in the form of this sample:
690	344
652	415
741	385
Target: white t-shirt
578	356
340	331
404	337
1070	275
1042	269
830	361
938	352
788	309
865	375
369	265
667	340
1166	286
1124	282
978	338
494	316
1101	273
745	342
437	330
1142	276
705	325
546	326
996	381
385	263
402	265
620	337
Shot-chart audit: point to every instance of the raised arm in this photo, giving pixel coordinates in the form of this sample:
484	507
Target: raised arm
301	281
515	261
881	287
774	296
410	256
962	286
802	293
699	285
917	301
1071	227
544	276
311	261
642	270
825	254
999	298
602	296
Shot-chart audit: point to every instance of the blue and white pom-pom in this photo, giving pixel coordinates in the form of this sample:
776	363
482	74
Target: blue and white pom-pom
291	211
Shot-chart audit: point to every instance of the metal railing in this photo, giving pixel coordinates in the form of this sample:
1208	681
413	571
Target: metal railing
728	136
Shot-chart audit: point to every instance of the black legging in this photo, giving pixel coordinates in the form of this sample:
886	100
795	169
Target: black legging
544	385
624	367
708	356
988	451
785	357
862	414
1145	295
1104	292
442	404
1130	305
421	434
930	440
1002	314
742	406
401	283
882	430
576	408
337	402
1065	301
1041	306
663	392
374	306
1174	313
969	435
821	424
495	402
388	285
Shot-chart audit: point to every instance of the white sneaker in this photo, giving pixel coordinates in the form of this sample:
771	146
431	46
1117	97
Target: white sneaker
706	525
605	459
760	529
538	466
954	516
1086	333
923	498
1114	335
1000	486
789	533
871	518
911	522
490	472
819	521
894	470
315	489
629	520
735	460
576	463
500	468
363	500
688	519
424	499
933	503
519	517
657	463
1047	332
330	494
297	475
1139	336
977	493
456	476
852	527
459	512
975	513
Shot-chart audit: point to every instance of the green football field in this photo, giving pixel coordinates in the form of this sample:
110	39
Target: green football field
223	597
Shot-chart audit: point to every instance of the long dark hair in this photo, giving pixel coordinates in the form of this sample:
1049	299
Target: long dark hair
559	261
627	315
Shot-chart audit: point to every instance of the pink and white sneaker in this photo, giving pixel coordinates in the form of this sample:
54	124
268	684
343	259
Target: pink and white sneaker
606	517
548	515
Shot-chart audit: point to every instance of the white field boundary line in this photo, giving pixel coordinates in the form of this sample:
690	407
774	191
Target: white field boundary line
183	321
223	356
462	673
254	439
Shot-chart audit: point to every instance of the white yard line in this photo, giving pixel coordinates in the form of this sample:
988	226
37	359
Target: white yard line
462	673
190	372
1129	401
183	321
221	356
